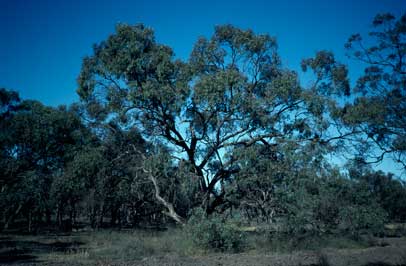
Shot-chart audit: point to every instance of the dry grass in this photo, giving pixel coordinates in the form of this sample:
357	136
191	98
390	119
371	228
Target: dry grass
125	246
143	247
261	244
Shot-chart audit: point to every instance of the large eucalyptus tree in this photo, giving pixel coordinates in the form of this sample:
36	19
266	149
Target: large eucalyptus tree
232	93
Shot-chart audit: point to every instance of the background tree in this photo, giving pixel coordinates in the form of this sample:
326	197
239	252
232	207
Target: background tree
380	105
389	191
37	141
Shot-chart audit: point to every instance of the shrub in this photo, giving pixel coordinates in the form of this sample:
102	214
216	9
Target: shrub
362	219
331	206
214	232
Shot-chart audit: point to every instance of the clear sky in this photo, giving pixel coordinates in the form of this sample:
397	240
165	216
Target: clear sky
42	42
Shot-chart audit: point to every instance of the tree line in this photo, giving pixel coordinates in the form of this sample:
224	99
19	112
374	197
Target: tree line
230	132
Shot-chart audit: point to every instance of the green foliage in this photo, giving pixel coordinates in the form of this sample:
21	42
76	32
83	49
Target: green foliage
214	232
36	143
324	65
389	191
335	206
232	92
381	97
300	220
356	220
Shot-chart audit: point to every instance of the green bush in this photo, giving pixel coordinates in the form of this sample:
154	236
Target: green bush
318	207
214	232
362	219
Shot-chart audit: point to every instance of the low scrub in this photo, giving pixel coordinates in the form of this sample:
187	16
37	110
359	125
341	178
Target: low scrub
214	233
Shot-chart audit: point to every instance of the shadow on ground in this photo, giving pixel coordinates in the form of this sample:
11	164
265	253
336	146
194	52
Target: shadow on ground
12	251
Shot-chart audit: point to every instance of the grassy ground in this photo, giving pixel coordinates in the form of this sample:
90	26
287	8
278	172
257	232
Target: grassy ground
173	247
91	247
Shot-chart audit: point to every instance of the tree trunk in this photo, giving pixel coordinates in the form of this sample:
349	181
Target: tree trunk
29	221
12	217
60	215
113	214
48	218
170	210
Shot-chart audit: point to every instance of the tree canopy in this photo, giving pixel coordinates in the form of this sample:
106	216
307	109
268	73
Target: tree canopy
379	108
233	92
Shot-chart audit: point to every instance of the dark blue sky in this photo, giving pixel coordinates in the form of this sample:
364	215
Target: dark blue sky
43	42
